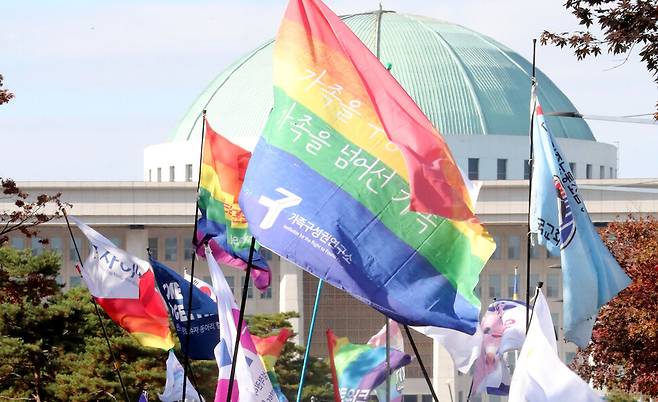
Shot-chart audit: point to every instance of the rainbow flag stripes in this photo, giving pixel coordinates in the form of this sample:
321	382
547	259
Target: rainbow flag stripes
269	349
222	172
328	190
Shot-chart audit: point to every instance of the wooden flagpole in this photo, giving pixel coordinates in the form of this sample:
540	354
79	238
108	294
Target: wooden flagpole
308	340
98	314
530	166
238	328
188	308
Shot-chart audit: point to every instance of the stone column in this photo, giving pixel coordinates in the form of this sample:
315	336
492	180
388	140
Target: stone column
291	295
443	373
137	240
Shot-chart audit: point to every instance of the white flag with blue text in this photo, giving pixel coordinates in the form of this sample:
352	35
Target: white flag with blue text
591	276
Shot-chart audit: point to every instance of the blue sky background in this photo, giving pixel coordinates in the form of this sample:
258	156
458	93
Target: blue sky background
96	82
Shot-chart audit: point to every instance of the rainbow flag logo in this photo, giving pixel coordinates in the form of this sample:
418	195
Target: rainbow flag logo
329	186
222	222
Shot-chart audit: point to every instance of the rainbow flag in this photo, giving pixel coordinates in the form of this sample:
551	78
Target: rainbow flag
222	172
358	369
269	349
328	187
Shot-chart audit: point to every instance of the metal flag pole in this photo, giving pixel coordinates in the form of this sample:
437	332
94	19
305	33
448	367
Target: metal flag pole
238	328
530	168
388	361
420	362
188	308
98	314
308	341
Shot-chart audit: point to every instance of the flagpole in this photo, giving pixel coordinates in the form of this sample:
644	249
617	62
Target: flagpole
98	314
188	309
420	362
530	164
238	329
388	362
308	341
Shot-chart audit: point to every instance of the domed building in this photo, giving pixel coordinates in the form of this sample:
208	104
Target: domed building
474	90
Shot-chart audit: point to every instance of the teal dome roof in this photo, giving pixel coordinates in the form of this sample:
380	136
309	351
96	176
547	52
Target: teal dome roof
466	83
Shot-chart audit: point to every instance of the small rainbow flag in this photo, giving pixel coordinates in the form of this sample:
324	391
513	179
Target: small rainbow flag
269	349
358	369
329	189
222	173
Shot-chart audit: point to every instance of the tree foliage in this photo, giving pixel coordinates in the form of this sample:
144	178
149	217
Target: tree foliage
5	95
26	213
625	338
52	346
625	24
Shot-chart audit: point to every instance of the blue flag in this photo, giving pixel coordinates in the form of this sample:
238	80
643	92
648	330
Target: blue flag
204	328
591	276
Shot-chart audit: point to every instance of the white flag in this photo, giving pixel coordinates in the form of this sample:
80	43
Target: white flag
462	347
173	391
251	382
540	375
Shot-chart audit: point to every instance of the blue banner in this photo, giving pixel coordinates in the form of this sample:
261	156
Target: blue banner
591	275
204	325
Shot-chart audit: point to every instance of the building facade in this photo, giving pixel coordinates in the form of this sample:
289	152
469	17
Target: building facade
160	216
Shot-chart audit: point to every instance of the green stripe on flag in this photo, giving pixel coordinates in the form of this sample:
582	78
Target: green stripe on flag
237	238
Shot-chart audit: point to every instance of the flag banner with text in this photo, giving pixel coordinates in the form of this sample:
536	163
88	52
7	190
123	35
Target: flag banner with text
327	189
269	349
396	341
204	325
251	382
590	274
124	286
222	222
173	390
359	369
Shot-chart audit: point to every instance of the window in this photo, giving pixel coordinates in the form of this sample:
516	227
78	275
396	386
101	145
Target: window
535	251
250	288
473	168
478	290
514	247
18	243
409	398
150	175
572	166
610	176
553	285
510	286
460	395
588	171
189	249
171	248
526	169
188	172
172	173
74	281
207	280
556	322
501	173
267	294
425	398
231	283
159	175
73	255
265	253
56	246
37	246
511	360
153	247
494	286
497	254
601	172
534	278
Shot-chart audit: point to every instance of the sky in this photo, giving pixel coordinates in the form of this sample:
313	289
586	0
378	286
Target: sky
96	82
